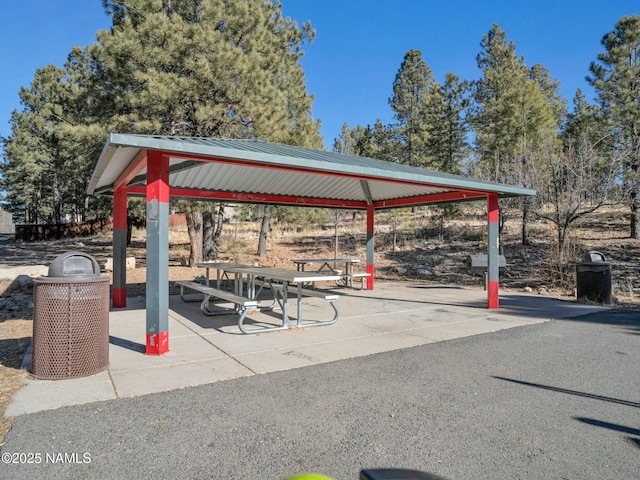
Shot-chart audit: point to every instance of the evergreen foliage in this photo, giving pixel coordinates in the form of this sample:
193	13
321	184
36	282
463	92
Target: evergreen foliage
447	145
215	68
511	113
411	87
54	143
615	76
208	68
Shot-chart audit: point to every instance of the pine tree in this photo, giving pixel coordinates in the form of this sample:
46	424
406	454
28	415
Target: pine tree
446	146
614	77
512	116
410	89
550	88
208	68
583	120
345	143
52	147
379	141
496	119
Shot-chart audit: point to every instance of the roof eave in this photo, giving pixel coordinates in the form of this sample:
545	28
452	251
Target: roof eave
370	172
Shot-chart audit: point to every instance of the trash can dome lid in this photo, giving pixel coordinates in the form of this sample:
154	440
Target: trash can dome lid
71	264
593	257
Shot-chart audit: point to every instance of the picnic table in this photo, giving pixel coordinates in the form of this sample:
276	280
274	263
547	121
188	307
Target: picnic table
248	283
346	276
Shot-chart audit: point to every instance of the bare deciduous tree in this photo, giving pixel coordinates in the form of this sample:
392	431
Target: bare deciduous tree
572	183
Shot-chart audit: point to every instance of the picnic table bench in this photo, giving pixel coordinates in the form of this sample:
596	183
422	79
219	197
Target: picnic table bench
243	304
281	281
328	297
347	275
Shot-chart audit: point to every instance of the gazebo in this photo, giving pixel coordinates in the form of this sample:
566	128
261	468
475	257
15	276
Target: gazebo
253	171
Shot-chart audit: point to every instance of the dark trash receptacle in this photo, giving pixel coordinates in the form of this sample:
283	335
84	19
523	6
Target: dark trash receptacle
70	319
593	278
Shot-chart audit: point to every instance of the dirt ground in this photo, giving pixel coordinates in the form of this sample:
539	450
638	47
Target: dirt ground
435	256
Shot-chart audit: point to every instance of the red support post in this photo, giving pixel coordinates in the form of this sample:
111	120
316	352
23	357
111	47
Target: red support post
119	251
493	271
370	246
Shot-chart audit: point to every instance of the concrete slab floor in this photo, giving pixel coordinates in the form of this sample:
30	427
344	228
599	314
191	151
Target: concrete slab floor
211	349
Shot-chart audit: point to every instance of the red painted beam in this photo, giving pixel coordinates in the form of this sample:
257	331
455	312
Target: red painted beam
309	202
119	208
119	297
140	160
493	294
253	198
433	198
258	164
157	178
493	208
136	165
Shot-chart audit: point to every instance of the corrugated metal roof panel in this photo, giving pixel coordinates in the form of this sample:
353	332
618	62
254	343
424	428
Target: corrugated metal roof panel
274	169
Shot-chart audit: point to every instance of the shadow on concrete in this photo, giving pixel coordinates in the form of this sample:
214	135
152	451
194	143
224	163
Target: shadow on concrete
222	322
629	319
128	344
613	426
627	403
610	426
526	306
227	317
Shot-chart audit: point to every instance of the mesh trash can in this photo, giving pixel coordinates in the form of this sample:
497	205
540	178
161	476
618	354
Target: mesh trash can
593	278
70	319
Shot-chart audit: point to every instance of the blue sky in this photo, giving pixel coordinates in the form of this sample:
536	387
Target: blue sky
359	45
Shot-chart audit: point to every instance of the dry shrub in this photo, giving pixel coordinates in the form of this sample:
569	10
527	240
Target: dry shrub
237	250
559	268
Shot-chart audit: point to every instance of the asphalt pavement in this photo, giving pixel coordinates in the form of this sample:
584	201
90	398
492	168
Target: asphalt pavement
557	400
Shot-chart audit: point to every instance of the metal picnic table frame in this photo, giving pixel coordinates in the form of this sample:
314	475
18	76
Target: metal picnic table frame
346	276
159	168
281	281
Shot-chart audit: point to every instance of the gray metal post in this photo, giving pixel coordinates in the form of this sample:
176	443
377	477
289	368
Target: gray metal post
119	290
370	246
157	254
493	251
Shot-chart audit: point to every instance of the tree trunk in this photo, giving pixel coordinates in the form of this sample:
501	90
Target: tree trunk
264	231
394	223
129	229
336	237
635	216
562	247
634	200
525	222
208	242
218	233
194	227
502	220
85	208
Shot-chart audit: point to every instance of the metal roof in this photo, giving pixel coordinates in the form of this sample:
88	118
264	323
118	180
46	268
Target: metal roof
257	171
